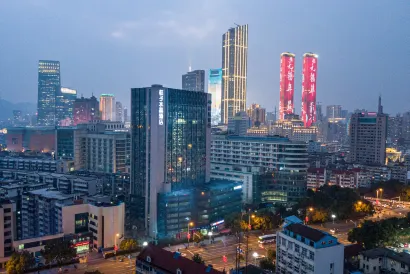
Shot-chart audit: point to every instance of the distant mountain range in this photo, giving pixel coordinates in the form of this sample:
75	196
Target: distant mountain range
6	108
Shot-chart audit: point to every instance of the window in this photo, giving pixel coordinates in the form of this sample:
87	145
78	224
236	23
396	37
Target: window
179	271
296	248
148	259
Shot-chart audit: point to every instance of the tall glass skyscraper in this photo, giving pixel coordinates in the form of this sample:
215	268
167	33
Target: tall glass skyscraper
170	146
234	71
194	80
49	86
215	89
64	106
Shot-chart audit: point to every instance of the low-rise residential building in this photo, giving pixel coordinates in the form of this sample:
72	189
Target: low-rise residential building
383	260
153	259
302	249
316	177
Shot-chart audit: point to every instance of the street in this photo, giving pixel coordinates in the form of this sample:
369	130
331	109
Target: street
106	266
213	253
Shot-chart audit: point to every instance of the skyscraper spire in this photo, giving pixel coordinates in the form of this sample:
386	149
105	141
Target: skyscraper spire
380	107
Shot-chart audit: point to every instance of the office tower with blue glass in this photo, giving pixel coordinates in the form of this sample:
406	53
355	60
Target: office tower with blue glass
215	89
65	99
49	86
170	144
194	80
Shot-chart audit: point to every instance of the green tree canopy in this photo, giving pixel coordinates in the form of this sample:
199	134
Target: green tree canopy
128	244
198	259
20	262
60	251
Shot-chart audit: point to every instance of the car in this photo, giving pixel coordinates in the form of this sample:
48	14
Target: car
401	245
333	230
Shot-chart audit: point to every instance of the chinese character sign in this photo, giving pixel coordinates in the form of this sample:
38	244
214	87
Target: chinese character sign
287	80
161	107
309	89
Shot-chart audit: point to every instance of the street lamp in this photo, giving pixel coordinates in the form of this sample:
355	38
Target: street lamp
115	240
210	236
359	202
333	217
187	235
381	193
255	255
144	243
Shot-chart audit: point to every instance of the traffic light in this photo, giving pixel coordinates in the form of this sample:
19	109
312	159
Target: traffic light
224	259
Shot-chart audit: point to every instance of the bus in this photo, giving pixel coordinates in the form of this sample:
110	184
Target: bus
267	239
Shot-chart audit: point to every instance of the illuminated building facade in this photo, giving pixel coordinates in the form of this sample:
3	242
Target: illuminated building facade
215	89
65	105
49	86
309	89
293	128
194	80
85	110
257	114
234	71
170	139
107	107
287	84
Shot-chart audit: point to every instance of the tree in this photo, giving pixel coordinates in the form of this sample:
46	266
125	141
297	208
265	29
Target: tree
198	259
319	216
128	244
197	237
58	250
20	262
267	264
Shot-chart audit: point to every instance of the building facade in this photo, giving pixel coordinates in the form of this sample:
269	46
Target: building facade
170	140
278	164
234	71
257	114
86	110
368	133
215	89
49	85
65	99
287	84
37	139
194	80
107	107
239	124
118	112
309	75
302	249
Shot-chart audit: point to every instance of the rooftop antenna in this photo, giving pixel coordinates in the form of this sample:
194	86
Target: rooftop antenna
236	25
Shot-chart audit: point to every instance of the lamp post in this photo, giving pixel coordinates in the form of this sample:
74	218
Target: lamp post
381	193
188	235
333	217
255	255
144	243
115	239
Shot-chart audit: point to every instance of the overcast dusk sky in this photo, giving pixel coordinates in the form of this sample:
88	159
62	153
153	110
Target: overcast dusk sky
108	46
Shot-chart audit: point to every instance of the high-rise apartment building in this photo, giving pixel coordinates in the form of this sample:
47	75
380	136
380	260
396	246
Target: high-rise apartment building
333	112
194	80
107	107
65	99
257	114
309	74
17	117
118	112
126	117
368	133
86	110
215	89
49	85
234	71
287	84
170	139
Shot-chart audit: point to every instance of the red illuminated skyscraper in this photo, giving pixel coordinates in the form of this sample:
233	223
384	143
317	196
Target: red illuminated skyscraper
309	89
287	80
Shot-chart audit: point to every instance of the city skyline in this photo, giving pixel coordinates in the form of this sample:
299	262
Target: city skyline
349	67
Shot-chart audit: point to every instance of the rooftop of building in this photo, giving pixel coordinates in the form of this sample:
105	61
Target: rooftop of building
172	261
52	194
266	139
306	232
375	253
